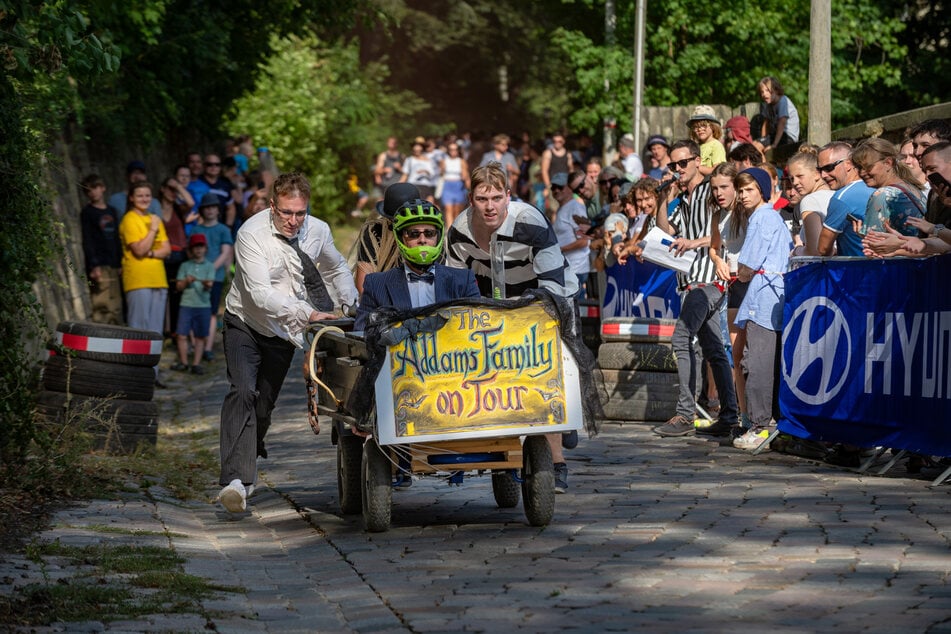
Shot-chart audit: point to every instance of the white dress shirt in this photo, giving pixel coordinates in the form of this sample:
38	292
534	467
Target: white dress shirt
268	291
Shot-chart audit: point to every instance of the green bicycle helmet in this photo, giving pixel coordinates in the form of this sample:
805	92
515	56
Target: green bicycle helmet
414	212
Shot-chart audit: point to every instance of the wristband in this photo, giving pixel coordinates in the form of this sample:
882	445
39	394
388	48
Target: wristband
938	228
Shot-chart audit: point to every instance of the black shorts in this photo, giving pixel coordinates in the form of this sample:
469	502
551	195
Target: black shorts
736	294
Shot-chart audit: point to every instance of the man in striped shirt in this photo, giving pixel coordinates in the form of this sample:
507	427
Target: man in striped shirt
511	247
702	295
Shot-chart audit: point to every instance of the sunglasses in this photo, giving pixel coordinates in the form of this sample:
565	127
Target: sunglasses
676	166
211	164
830	166
416	234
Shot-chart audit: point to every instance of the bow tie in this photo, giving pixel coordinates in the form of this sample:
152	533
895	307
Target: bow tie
427	277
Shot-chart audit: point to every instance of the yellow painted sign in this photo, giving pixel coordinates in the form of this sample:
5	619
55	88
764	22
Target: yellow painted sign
486	368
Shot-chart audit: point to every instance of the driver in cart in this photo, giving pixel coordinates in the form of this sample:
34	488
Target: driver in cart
421	280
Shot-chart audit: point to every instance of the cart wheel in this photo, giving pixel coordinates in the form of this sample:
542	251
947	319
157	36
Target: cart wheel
377	487
505	489
349	456
538	481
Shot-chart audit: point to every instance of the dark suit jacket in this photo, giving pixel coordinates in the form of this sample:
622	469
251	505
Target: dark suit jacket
390	288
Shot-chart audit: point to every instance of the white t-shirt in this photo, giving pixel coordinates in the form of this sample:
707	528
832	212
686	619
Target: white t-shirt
816	202
566	229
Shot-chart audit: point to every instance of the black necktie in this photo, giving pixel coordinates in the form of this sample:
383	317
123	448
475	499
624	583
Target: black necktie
428	277
317	294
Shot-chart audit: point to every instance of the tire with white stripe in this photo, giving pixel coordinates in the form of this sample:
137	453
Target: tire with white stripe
637	329
117	425
111	344
655	357
98	378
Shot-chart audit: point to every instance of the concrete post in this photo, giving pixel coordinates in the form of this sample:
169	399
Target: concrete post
820	72
639	71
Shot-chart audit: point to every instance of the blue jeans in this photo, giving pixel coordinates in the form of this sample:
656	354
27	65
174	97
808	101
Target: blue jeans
700	318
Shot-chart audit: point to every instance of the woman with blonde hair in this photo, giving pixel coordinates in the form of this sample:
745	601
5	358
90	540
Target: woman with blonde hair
898	194
803	170
727	233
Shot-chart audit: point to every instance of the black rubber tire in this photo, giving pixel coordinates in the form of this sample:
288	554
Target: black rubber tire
655	357
538	481
640	321
135	422
505	489
106	331
639	409
627	384
349	460
98	378
377	484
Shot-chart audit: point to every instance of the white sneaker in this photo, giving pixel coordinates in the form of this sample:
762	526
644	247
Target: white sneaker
233	496
752	439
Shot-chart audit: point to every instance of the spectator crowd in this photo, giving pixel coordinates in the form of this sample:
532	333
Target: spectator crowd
158	255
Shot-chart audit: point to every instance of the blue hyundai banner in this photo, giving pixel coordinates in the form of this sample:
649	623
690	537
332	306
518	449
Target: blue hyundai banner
867	353
640	290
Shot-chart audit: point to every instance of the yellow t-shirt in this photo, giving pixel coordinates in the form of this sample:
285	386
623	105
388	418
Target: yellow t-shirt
712	153
144	272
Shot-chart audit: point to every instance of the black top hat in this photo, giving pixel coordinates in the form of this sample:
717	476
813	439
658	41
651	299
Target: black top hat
394	197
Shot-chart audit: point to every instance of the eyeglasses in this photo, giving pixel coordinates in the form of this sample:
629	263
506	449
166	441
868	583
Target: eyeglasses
830	166
557	188
676	166
212	164
287	214
416	234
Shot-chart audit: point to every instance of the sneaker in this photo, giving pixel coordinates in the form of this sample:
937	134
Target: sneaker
197	369
569	440
719	428
160	385
561	477
233	496
676	426
208	355
752	439
178	366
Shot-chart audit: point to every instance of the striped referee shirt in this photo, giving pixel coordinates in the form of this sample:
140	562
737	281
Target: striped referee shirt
525	243
693	221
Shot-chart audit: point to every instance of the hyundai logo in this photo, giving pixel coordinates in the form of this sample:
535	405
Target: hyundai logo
817	351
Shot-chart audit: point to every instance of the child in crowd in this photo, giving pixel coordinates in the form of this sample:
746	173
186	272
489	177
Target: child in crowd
706	132
195	279
220	254
100	227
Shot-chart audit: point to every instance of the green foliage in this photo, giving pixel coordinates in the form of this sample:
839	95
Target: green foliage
699	53
317	110
26	244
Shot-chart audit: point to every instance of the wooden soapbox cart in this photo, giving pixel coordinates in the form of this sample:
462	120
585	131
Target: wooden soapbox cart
477	394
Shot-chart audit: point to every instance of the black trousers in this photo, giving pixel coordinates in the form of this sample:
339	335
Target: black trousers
257	366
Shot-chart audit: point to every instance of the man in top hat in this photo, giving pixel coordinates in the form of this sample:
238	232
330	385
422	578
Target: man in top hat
376	248
421	280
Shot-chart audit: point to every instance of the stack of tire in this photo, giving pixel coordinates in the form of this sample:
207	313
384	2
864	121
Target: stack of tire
102	377
639	368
